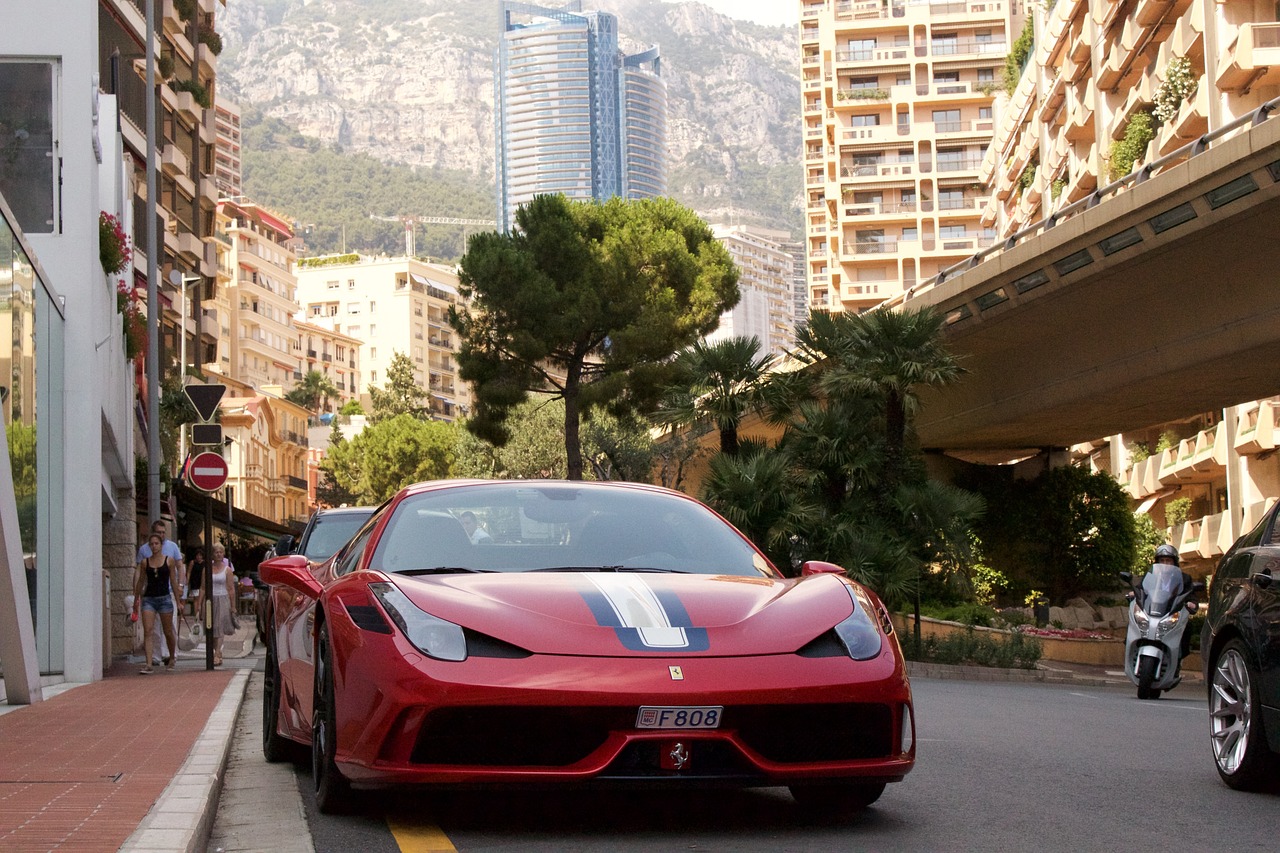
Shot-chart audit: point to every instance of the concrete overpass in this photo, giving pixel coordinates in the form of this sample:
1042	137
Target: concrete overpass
1154	300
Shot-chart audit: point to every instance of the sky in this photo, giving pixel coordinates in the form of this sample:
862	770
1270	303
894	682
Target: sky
773	12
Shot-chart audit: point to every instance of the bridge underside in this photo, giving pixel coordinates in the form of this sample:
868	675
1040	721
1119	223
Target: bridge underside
1131	313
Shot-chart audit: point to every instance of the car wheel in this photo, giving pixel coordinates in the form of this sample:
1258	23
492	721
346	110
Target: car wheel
275	747
1235	718
1146	677
333	793
837	798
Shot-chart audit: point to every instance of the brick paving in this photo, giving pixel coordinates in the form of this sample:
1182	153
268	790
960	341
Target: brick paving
80	771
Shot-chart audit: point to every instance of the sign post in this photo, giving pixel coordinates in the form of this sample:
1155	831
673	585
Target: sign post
207	472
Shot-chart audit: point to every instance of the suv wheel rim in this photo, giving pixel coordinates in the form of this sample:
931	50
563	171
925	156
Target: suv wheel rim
1230	704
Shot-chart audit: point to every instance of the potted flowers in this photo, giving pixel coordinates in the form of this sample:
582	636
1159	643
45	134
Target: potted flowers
113	245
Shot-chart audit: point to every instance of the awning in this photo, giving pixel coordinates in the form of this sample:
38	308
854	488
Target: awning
419	279
1148	503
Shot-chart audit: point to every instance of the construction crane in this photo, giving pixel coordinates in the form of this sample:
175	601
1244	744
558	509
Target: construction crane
409	221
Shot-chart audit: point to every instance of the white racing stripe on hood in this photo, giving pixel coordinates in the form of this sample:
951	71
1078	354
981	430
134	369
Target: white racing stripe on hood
637	607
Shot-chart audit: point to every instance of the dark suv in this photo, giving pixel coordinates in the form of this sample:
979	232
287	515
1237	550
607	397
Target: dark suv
1241	643
327	530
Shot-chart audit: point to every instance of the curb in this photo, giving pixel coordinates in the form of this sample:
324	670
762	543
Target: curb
1041	675
182	818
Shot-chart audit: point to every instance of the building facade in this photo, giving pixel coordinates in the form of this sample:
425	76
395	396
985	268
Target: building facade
765	310
227	170
267	453
261	296
574	114
391	305
1111	87
898	110
335	356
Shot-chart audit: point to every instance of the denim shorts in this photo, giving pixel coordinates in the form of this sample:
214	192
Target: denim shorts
158	603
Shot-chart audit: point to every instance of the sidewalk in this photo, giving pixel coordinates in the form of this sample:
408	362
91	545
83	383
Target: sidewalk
126	763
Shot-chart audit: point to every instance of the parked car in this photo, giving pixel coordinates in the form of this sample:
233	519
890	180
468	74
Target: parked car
326	531
1240	644
597	633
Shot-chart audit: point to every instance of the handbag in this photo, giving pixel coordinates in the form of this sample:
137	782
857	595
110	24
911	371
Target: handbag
188	638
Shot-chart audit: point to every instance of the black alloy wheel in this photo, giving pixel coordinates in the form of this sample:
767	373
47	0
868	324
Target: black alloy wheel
275	747
333	792
1240	750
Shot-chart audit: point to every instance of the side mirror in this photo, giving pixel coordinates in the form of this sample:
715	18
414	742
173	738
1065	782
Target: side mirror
284	545
819	567
1127	577
293	572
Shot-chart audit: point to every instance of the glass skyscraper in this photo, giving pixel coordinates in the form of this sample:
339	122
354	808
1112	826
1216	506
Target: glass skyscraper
575	115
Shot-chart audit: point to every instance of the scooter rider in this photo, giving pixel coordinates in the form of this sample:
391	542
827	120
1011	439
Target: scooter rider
1168	554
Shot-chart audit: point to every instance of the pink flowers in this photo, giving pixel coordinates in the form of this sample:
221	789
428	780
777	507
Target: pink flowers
113	245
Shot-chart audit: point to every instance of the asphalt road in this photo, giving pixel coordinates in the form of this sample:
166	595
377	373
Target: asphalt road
1000	767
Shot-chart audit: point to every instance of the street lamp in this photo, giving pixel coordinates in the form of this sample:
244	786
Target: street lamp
182	282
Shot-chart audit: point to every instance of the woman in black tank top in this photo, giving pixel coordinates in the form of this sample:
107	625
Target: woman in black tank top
153	595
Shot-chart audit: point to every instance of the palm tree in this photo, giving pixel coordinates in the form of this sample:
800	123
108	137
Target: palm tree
312	391
719	382
886	355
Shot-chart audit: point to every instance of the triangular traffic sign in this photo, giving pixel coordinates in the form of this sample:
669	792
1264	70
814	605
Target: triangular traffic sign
205	398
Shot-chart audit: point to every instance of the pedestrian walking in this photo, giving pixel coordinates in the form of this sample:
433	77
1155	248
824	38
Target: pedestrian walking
171	550
195	577
153	596
222	591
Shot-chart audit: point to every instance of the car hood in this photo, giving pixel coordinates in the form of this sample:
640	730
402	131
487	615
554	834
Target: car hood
636	614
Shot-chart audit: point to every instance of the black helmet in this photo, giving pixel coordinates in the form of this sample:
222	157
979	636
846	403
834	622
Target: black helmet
1167	550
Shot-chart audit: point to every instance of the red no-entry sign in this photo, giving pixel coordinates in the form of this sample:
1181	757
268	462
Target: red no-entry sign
208	472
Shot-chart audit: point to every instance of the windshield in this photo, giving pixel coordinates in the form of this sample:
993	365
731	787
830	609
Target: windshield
521	527
330	531
1161	585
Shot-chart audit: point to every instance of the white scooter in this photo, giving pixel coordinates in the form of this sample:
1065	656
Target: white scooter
1159	610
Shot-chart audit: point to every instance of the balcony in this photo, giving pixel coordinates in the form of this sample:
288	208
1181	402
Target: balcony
890	58
275	486
253	472
191	246
1150	12
1254	512
1187	39
1191	122
1253	59
971	163
1255	430
174	162
878	209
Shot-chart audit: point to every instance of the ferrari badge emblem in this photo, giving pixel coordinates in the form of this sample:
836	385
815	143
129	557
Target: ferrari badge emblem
676	673
679	756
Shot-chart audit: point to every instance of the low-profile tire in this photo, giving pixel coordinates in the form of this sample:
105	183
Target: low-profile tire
1147	668
1237	732
837	798
333	792
275	747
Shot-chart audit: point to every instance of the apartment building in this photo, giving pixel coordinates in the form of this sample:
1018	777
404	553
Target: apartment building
575	115
266	453
261	347
227	170
898	111
333	354
391	305
765	310
1110	87
187	45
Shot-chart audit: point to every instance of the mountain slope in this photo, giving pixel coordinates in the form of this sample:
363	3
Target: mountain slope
411	82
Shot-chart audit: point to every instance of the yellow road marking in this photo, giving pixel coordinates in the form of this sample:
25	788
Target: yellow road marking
419	839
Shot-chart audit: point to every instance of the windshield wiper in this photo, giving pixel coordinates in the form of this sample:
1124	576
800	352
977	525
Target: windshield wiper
441	570
618	568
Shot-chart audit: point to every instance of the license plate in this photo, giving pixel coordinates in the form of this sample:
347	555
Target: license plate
679	717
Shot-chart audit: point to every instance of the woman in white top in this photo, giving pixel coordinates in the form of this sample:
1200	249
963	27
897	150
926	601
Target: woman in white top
223	589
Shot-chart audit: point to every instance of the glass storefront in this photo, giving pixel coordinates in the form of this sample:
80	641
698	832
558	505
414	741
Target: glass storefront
31	322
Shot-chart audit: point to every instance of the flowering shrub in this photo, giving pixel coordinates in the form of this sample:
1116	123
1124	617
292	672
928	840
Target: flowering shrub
1062	633
1179	82
113	245
135	325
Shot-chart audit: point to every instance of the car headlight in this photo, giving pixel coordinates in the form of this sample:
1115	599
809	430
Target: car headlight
1140	618
1168	623
858	633
431	635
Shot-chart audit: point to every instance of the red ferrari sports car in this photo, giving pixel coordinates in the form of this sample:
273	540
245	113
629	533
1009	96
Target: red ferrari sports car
547	632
